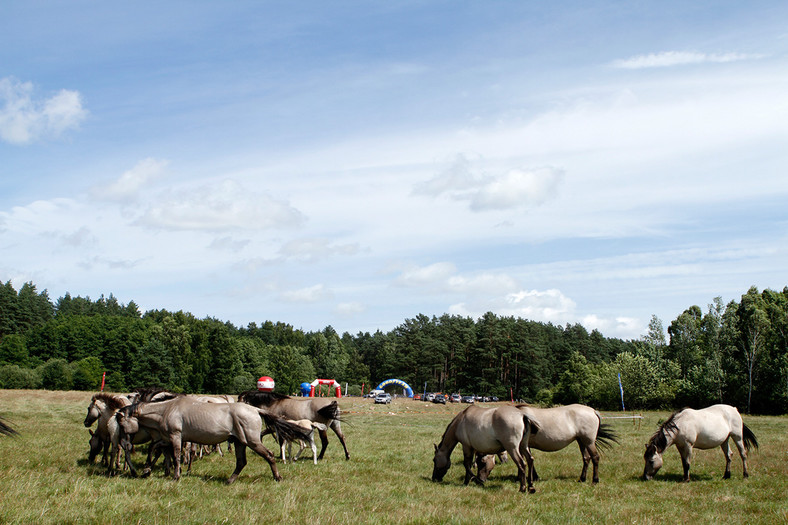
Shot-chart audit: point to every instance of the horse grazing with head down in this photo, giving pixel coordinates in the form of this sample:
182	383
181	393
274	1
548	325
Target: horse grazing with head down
706	428
315	409
483	431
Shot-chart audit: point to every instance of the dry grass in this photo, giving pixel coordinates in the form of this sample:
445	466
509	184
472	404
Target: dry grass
44	477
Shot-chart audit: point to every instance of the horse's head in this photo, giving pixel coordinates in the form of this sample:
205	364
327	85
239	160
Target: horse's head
128	426
441	462
653	460
93	413
95	445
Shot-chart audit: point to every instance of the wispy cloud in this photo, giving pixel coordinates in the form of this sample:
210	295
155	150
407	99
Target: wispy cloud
222	206
679	58
24	119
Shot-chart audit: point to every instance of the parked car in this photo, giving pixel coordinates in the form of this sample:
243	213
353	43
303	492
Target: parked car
383	399
439	398
467	399
417	397
455	398
429	397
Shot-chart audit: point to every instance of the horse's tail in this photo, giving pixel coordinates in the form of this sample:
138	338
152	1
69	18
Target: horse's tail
750	441
7	430
531	426
605	435
283	428
331	411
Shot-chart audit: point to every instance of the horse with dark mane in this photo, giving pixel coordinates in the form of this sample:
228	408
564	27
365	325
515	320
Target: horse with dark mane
315	409
561	426
102	408
183	419
486	431
703	429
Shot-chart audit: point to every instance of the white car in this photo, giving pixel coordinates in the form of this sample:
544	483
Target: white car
383	399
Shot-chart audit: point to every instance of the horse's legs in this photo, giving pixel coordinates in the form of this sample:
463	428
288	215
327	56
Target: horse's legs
586	455
175	439
260	449
323	442
336	427
686	459
525	476
726	451
743	453
468	457
240	461
594	454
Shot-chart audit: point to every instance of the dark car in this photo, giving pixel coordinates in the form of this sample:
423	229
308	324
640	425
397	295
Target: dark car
468	399
439	398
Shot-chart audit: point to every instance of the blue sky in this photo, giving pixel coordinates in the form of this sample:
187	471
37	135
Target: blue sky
355	164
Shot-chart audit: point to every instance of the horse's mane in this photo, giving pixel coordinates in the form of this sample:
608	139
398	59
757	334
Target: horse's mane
155	393
660	438
259	399
112	401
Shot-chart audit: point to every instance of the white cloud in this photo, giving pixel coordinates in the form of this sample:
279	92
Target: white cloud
129	185
517	188
311	294
432	275
24	120
678	58
220	207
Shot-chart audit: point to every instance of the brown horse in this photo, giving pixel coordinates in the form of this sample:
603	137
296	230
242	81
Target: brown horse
487	431
706	428
315	409
185	419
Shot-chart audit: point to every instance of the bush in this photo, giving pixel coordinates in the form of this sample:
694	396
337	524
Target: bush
56	374
14	376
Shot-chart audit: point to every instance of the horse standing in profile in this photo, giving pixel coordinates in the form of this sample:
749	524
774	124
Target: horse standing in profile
483	431
703	429
184	419
315	409
561	426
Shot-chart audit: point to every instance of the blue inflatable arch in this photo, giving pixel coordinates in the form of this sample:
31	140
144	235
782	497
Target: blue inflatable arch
400	382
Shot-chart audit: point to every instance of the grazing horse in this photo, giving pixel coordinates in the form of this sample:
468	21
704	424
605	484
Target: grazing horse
561	426
706	428
183	419
319	410
487	431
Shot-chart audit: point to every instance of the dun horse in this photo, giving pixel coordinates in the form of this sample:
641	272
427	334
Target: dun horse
315	409
487	431
703	429
102	408
185	419
560	427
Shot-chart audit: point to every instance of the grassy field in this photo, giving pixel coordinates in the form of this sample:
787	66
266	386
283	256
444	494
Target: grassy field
45	478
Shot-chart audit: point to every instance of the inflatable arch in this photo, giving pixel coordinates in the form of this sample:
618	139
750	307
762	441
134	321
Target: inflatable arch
400	382
329	382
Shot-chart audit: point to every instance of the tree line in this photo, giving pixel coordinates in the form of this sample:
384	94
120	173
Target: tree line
735	353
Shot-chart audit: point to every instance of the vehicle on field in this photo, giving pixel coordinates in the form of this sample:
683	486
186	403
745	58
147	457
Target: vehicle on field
468	399
383	398
429	397
455	398
439	398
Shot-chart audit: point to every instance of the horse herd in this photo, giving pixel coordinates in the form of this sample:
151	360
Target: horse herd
176	425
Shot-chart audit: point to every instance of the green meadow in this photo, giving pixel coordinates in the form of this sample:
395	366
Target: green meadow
45	477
